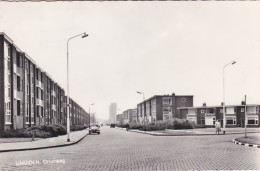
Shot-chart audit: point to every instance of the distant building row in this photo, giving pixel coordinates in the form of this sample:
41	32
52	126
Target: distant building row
28	95
165	107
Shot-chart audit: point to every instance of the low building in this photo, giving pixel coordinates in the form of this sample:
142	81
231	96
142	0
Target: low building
235	114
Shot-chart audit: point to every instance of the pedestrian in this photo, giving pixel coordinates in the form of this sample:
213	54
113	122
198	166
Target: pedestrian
217	126
127	126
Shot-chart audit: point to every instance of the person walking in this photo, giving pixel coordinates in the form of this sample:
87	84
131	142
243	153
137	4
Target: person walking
127	126
217	126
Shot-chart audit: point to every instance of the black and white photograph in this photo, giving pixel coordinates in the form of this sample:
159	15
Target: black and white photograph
129	85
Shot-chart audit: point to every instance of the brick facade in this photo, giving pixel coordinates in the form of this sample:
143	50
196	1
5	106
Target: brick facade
35	98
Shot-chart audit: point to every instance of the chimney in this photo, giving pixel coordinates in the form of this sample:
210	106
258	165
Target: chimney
243	103
222	104
204	104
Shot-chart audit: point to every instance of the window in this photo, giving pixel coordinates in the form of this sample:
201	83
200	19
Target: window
252	122
27	113
230	122
18	83
18	107
183	100
221	110
166	117
167	101
8	50
41	77
165	110
8	112
27	87
37	73
32	115
242	109
202	111
41	94
18	59
41	111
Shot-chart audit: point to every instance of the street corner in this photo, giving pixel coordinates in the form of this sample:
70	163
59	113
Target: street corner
249	141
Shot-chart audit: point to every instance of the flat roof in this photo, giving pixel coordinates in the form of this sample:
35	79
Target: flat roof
166	95
216	106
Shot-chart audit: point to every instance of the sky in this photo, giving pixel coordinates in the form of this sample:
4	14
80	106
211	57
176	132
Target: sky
154	47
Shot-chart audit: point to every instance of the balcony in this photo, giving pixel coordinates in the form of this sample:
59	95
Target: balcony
39	102
53	107
53	93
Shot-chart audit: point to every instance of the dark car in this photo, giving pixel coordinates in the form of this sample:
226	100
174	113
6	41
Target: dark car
112	125
94	129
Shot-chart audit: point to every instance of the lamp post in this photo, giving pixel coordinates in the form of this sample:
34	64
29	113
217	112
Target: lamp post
89	114
224	112
144	107
68	102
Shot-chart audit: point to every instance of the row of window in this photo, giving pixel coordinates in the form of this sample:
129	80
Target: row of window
221	110
29	81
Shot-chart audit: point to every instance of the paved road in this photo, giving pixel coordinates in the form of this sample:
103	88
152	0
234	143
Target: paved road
120	150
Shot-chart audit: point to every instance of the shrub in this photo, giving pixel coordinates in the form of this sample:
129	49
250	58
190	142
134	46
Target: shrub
210	126
40	131
199	126
16	133
169	124
119	125
135	126
77	127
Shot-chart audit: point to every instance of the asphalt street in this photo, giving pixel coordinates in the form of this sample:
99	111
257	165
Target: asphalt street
116	149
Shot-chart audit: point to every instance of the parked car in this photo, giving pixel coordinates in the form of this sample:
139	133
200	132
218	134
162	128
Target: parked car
112	125
94	129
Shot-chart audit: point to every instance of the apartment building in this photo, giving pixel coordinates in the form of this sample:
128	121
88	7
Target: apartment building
129	116
119	119
162	107
235	114
28	95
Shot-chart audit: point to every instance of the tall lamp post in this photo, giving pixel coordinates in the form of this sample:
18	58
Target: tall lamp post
83	35
89	113
224	112
144	107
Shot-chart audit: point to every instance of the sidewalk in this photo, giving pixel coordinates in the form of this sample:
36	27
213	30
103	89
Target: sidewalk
59	141
197	132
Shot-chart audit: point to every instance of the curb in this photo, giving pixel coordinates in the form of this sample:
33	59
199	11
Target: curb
153	134
245	144
38	148
172	134
180	134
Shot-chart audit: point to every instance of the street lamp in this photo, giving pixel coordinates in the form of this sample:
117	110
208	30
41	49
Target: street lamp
141	93
144	108
224	112
89	113
68	103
